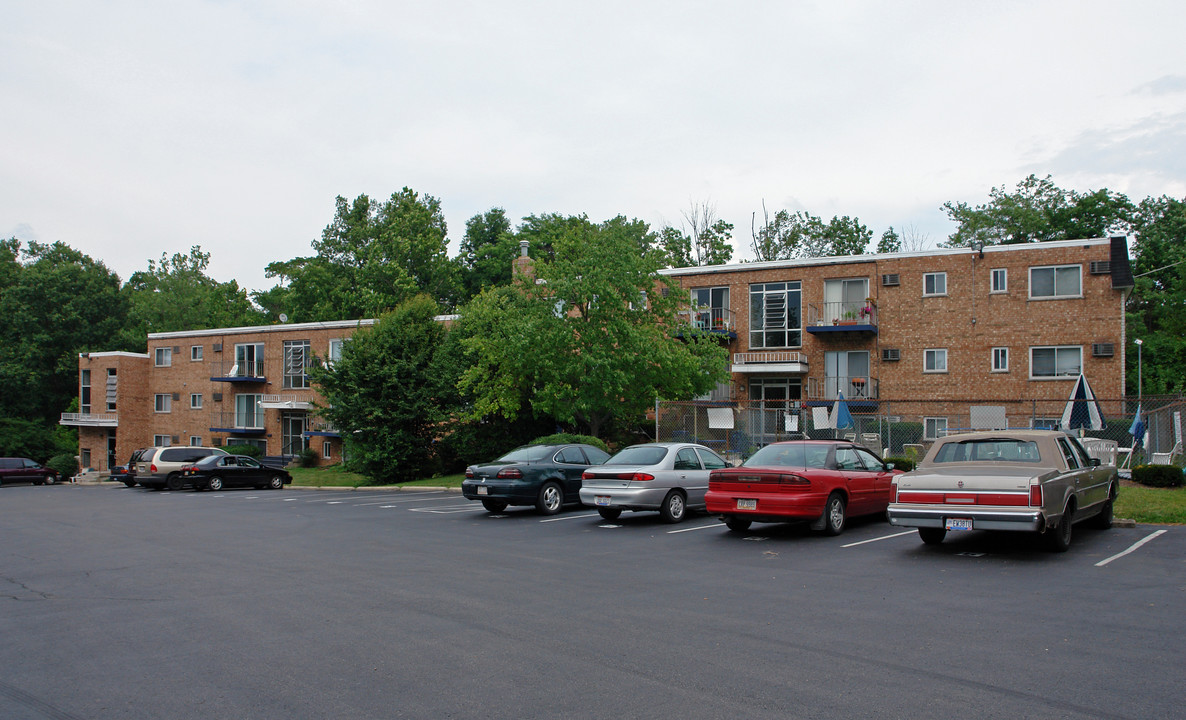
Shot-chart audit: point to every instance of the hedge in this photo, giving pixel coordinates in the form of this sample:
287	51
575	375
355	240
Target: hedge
1157	475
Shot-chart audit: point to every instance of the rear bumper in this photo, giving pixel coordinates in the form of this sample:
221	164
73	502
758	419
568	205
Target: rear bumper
771	507
935	516
627	498
515	494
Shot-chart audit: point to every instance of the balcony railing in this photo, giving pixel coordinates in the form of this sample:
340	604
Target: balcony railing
836	314
90	419
248	371
237	422
285	402
770	361
854	387
317	426
710	319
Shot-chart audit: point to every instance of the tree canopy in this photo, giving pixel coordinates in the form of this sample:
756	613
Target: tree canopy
789	235
1156	307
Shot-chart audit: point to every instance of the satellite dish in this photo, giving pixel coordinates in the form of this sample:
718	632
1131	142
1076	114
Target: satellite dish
283	317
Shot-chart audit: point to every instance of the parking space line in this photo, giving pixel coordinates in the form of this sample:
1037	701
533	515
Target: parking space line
700	527
883	537
1132	548
570	517
447	509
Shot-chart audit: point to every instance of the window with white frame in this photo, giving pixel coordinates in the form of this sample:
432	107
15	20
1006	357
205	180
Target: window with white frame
161	441
112	389
1058	281
1000	280
934	428
1000	359
335	350
195	401
84	392
1045	423
164	357
248	413
327	449
935	360
195	441
775	315
710	308
195	352
249	360
163	402
934	283
1058	361
296	363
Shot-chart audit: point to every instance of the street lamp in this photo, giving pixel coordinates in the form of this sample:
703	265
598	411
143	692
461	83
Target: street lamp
1139	343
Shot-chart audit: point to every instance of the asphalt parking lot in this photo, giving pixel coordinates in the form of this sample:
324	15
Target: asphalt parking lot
126	603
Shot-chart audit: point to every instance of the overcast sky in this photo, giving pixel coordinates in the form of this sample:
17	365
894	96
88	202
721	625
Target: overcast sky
129	128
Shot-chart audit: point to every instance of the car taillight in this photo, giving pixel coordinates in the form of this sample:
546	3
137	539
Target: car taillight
586	475
1035	496
788	479
510	473
469	472
152	467
893	492
642	477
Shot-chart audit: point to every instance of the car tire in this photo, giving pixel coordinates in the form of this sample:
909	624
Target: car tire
50	479
932	535
834	515
173	482
1103	520
276	482
610	513
1059	538
551	499
737	524
674	507
129	483
494	506
215	483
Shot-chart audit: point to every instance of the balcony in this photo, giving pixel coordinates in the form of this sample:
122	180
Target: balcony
285	402
240	372
718	321
856	389
90	419
238	423
841	317
779	361
321	428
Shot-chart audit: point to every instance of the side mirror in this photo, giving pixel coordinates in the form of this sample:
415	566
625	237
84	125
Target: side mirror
889	466
1095	462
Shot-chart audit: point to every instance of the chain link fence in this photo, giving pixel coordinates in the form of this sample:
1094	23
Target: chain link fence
906	428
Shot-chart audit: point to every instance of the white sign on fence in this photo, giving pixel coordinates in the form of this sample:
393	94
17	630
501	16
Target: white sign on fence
720	418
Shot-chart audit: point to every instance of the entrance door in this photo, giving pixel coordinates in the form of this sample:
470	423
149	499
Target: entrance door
292	432
112	461
774	398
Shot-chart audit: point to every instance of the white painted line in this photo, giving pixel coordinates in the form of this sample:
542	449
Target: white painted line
334	502
571	517
1135	545
448	509
876	539
289	499
717	525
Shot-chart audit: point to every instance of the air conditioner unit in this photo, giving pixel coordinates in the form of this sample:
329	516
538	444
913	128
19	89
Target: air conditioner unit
891	354
1101	267
891	279
177	349
176	439
1105	349
176	396
217	397
217	347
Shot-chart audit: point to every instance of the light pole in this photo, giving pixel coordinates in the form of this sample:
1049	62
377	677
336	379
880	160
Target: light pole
1139	343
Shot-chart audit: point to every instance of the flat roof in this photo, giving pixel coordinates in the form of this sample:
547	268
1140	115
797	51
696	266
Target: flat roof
290	327
114	353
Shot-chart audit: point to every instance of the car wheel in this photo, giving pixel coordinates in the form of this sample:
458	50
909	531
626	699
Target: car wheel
215	483
610	513
737	524
50	479
174	482
1059	538
494	506
932	536
276	482
1103	520
674	507
551	499
834	515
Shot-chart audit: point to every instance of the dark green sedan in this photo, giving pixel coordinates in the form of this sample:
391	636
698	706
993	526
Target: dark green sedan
546	476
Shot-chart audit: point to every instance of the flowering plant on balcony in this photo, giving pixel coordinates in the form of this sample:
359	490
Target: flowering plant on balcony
866	312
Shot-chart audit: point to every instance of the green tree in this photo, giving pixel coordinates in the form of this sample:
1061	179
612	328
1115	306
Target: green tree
1155	307
1038	211
708	240
890	242
486	252
789	235
592	340
385	393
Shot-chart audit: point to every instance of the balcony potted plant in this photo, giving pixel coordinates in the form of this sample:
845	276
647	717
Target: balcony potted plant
849	317
866	312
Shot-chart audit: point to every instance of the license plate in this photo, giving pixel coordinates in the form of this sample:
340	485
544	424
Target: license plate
483	490
959	523
601	499
747	504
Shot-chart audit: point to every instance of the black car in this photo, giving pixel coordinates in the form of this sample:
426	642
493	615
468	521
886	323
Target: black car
126	474
546	476
218	471
14	470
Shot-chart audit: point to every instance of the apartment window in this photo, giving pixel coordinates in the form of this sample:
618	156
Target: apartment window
195	401
710	308
248	413
1061	361
327	450
775	315
935	360
195	352
335	350
847	371
164	357
844	298
1000	280
249	360
1045	423
161	440
163	402
195	441
1000	359
1056	281
84	392
296	360
111	389
934	283
934	428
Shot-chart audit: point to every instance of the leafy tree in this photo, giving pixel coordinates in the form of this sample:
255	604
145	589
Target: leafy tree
486	252
385	392
175	294
592	340
707	240
890	242
801	235
1155	307
1037	211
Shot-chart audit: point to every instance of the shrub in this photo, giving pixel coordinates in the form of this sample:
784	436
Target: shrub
248	450
1158	475
308	458
902	463
66	465
561	438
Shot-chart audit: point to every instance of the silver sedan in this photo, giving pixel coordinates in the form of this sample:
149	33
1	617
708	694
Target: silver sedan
669	477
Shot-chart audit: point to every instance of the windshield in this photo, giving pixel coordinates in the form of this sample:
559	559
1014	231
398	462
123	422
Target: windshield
989	450
529	453
800	455
639	455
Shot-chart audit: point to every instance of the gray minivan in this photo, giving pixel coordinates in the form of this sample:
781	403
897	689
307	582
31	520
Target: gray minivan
160	467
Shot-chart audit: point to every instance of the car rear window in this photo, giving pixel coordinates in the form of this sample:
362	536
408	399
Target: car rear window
794	455
531	453
992	450
639	455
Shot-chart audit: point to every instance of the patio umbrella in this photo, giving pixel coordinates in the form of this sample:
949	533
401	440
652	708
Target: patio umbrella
1082	411
841	417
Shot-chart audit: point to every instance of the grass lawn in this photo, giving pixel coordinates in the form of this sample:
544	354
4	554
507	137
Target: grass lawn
335	476
1152	505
